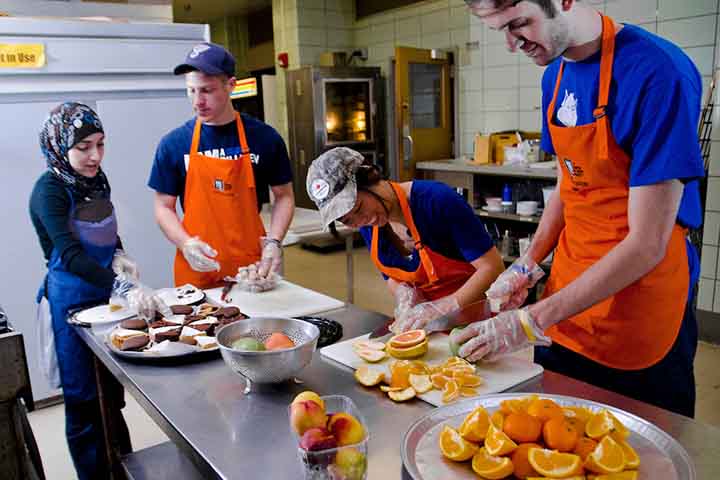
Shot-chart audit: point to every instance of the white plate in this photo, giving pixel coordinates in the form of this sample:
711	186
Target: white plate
184	295
101	314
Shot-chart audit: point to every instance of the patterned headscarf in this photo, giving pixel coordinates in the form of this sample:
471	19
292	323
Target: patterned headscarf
66	125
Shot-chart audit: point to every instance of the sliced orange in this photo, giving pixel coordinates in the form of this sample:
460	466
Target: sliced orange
418	367
632	459
619	428
608	457
497	419
454	446
583	413
468	392
421	383
517	405
438	380
386	388
491	467
475	426
401	395
599	425
522	427
400	374
371	344
468	380
554	464
544	409
451	391
574	477
521	464
497	442
584	447
370	355
368	376
408	339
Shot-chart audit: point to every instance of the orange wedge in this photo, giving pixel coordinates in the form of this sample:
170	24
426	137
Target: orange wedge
421	383
497	419
599	425
632	459
468	380
554	464
454	446
608	457
475	426
544	409
491	467
438	380
468	392
451	391
624	475
497	442
368	376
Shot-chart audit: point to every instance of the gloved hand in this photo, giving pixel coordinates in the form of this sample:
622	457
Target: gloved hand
421	314
508	332
510	289
139	297
121	263
200	255
272	257
249	280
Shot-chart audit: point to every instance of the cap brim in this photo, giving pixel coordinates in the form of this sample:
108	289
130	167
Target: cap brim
340	205
184	68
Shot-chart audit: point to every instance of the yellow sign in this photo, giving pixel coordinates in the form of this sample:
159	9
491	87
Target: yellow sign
22	55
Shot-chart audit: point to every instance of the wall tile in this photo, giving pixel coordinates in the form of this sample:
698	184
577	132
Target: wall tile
500	100
471	79
477	31
460	37
347	6
381	52
318	4
498	55
650	27
716	302
312	37
669	9
498	121
501	77
361	37
426	7
414	42
530	121
407	27
438	21
308	17
715	156
708	262
711	228
493	37
472	122
530	75
459	17
634	11
703	58
382	32
689	32
340	38
338	19
706	292
530	98
435	40
713	197
472	102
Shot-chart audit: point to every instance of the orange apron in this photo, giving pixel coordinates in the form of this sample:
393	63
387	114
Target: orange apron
436	276
637	326
221	209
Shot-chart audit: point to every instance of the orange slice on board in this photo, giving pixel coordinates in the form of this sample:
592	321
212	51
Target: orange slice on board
454	446
421	383
368	376
468	380
438	380
371	344
497	442
554	464
451	391
608	457
408	339
491	467
475	426
370	355
402	395
468	392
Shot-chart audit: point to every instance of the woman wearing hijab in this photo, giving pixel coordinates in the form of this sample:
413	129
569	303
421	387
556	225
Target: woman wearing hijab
75	222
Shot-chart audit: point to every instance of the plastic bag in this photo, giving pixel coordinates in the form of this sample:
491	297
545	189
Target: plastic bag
46	344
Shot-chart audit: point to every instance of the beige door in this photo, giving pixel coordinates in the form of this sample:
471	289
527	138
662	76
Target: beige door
422	108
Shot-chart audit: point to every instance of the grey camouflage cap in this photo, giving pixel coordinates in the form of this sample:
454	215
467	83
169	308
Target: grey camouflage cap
331	183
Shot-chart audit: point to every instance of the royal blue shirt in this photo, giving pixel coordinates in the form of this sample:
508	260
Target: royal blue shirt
654	109
269	156
446	223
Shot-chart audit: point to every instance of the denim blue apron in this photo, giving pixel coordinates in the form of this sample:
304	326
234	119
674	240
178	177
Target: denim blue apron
64	291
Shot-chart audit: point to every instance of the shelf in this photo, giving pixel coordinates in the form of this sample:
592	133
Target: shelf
507	216
497	170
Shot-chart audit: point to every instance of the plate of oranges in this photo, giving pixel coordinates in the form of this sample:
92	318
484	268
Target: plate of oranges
534	437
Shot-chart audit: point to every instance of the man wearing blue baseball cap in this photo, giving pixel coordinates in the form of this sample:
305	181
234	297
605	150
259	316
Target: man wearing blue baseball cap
221	165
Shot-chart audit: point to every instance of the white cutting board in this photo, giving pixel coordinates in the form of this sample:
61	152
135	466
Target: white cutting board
497	376
285	300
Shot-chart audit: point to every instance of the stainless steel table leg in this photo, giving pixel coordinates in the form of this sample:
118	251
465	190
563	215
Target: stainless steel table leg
350	275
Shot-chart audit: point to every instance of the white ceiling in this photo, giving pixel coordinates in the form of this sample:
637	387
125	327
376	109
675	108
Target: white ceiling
203	11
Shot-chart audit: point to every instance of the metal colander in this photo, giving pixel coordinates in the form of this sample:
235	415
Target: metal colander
272	366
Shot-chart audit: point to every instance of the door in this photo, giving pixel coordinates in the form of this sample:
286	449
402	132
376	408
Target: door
422	108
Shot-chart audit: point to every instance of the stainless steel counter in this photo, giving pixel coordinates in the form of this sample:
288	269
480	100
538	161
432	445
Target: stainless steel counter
201	407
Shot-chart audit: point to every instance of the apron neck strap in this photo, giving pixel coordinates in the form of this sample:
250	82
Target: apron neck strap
607	55
241	136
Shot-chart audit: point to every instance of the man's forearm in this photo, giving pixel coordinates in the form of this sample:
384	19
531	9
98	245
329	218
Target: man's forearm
548	232
171	226
282	214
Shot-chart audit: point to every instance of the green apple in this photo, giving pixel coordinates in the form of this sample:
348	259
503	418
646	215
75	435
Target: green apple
454	347
247	343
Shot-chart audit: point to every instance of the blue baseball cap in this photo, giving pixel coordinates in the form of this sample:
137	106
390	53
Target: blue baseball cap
209	58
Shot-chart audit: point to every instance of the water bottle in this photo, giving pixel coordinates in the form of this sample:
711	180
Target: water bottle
507	199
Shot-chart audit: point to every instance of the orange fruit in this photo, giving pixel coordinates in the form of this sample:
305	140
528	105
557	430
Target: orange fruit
491	467
521	464
418	367
554	464
400	374
578	424
438	380
454	446
421	383
468	380
559	434
475	426
468	392
497	419
584	447
522	427
619	428
408	339
632	459
599	425
583	413
497	442
608	457
368	376
451	391
544	409
624	475
278	341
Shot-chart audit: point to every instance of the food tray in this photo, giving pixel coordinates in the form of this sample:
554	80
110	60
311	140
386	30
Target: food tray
180	352
661	456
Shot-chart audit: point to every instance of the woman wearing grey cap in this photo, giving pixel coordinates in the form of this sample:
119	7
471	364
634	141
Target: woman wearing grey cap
432	249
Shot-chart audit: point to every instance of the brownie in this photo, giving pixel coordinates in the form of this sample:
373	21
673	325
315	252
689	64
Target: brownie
181	309
228	312
162	323
193	318
208	328
135	343
134	324
229	320
172	335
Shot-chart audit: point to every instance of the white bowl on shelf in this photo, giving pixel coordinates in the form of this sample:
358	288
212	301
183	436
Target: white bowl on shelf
527	208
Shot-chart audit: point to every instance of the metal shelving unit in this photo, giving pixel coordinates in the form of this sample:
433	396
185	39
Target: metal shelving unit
507	216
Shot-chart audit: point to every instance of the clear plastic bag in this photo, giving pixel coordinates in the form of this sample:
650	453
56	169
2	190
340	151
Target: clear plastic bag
46	344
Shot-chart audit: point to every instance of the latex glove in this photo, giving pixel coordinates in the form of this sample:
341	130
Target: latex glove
406	297
139	297
510	289
121	263
200	255
421	314
248	279
272	257
506	333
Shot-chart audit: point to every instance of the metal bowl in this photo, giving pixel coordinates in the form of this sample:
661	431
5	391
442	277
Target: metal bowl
270	366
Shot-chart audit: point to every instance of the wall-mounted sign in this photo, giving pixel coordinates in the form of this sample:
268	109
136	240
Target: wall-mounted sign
22	55
246	87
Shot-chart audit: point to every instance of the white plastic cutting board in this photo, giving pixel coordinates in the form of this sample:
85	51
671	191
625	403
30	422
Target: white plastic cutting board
497	376
285	300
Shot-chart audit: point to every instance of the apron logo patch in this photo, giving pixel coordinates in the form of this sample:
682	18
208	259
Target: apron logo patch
320	189
567	113
575	170
221	186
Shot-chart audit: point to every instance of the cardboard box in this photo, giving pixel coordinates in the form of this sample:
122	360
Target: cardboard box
490	149
482	150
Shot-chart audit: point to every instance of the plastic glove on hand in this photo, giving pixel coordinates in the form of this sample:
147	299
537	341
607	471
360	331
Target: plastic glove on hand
139	297
421	314
510	289
406	297
272	257
200	255
248	279
121	263
508	332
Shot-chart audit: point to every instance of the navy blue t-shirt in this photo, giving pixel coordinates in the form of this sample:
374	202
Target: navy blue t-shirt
654	109
269	156
446	223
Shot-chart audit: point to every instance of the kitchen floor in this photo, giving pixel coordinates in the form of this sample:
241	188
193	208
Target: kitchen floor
324	273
